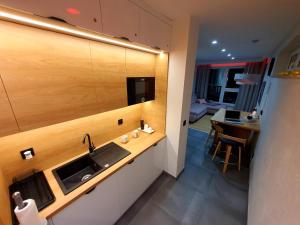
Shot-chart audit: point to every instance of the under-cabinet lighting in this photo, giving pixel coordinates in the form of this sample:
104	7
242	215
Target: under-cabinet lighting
29	21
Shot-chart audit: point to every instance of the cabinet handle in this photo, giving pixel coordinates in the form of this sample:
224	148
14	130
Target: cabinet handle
130	162
90	190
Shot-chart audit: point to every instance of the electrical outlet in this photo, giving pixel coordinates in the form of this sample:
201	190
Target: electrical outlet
120	121
27	153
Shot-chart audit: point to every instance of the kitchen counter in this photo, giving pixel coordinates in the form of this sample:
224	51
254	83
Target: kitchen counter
135	146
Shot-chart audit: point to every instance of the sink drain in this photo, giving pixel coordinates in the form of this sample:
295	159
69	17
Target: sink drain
85	177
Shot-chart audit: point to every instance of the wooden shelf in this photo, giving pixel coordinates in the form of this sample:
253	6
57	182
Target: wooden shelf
288	74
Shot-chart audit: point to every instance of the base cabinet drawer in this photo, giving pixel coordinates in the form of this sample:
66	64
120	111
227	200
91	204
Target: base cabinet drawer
100	206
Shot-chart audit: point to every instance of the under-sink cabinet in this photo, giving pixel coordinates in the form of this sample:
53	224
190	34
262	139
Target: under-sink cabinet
111	198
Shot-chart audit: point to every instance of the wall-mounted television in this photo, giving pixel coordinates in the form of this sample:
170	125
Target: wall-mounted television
140	89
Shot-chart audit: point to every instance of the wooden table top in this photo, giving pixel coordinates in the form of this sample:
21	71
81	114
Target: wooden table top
219	117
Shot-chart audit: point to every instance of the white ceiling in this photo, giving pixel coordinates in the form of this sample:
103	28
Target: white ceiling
234	23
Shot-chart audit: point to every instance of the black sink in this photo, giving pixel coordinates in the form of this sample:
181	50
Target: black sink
109	154
75	173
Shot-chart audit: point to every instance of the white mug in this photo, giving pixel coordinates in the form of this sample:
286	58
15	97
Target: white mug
124	139
135	134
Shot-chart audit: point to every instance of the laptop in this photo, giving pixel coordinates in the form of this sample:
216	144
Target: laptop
233	115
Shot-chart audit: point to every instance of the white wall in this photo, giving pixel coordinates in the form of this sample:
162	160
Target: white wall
180	82
274	194
275	170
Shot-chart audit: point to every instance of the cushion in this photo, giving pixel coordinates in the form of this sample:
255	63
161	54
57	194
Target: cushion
201	101
198	108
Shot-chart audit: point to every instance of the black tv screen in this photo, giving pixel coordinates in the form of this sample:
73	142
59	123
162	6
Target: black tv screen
140	89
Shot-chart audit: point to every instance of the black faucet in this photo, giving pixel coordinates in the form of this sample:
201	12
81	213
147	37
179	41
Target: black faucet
91	145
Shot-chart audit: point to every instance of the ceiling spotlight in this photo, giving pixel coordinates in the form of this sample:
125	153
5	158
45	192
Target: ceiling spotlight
223	50
232	58
214	42
228	54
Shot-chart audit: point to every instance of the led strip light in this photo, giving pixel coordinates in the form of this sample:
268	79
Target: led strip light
41	24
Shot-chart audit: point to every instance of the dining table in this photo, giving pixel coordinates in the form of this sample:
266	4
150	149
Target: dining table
244	124
244	128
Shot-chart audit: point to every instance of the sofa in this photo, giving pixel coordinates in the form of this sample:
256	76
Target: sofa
200	107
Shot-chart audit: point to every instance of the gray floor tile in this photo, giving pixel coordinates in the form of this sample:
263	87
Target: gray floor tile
217	213
174	198
152	214
195	178
195	210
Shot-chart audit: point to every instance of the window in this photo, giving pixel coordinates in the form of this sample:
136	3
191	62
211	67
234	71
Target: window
230	97
214	85
222	87
230	78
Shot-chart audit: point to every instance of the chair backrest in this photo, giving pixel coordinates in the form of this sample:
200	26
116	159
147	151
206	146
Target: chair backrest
219	130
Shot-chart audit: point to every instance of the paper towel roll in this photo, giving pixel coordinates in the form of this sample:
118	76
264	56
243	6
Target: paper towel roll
29	214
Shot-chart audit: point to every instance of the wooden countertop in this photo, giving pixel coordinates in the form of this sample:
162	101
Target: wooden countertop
135	145
219	117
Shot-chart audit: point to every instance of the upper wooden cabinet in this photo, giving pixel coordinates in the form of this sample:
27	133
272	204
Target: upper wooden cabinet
8	124
108	63
120	18
87	15
47	76
154	32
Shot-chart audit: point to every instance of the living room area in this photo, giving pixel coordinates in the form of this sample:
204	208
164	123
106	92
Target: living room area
218	86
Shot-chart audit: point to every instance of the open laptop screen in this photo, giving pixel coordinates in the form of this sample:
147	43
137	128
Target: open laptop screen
232	115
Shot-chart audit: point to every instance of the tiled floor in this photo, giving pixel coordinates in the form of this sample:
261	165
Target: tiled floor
200	196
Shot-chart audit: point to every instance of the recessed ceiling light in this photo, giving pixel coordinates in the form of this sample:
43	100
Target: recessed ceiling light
232	58
223	50
228	54
214	42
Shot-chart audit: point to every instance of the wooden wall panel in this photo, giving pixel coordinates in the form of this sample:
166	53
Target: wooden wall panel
56	143
139	63
47	75
8	124
108	63
154	112
5	215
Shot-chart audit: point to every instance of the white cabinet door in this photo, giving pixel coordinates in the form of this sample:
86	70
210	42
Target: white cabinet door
159	157
80	13
136	177
154	32
100	206
120	18
129	187
147	172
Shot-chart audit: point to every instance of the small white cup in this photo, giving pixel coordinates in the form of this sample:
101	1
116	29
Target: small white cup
135	134
124	139
146	126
